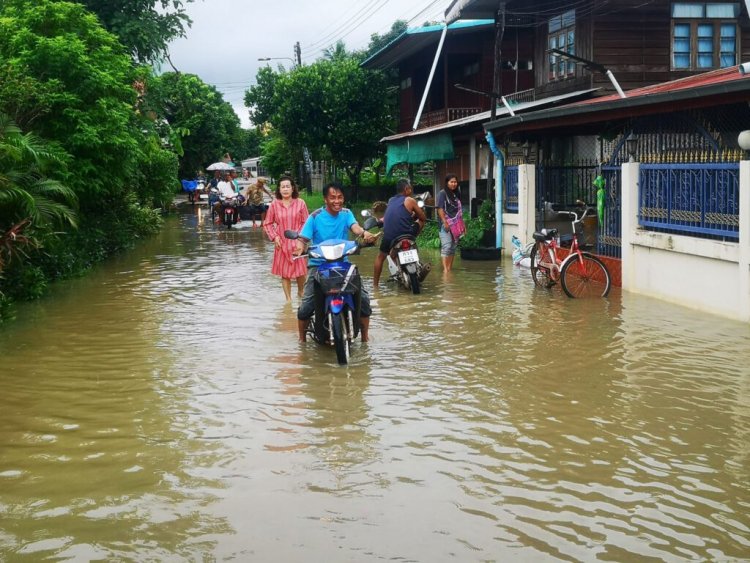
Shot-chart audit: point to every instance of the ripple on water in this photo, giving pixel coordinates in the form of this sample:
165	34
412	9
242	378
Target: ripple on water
168	394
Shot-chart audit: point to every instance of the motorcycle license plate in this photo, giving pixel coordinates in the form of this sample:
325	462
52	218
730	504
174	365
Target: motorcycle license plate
408	256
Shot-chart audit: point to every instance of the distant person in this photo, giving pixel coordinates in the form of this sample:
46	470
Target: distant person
399	220
254	199
226	191
234	181
451	220
286	212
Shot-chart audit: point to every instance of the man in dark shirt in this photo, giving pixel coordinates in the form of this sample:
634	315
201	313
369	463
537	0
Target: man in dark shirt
398	220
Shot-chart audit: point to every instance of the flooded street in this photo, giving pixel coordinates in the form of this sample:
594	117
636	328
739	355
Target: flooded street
161	409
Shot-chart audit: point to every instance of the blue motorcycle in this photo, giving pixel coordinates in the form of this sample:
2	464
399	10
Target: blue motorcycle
337	295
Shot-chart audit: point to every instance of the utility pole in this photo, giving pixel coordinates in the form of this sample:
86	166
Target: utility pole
307	161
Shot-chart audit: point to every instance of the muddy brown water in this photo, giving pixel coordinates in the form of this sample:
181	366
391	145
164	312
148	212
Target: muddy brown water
160	409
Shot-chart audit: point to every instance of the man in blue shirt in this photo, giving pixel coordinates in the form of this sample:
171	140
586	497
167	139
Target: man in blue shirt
330	222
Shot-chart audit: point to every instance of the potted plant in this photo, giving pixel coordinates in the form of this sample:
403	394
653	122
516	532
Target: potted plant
479	241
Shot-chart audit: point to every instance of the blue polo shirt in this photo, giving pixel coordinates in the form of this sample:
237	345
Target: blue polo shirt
321	225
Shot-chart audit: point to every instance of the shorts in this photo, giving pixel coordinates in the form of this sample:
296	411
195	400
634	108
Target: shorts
447	242
262	208
307	306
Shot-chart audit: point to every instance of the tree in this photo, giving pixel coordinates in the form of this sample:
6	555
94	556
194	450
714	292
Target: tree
278	156
377	42
207	125
30	201
259	98
335	106
336	52
144	27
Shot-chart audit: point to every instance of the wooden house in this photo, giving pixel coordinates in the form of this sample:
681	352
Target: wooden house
516	45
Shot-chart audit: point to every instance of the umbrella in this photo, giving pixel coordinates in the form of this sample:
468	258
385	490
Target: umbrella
220	166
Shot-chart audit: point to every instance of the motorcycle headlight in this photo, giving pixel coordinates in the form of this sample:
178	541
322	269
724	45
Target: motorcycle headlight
333	252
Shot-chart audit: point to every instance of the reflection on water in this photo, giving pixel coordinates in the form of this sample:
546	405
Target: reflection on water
161	409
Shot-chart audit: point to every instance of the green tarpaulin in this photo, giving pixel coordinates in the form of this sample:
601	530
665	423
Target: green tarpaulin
419	149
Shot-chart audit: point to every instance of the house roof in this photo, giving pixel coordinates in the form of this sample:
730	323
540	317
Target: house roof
726	85
484	116
414	40
471	9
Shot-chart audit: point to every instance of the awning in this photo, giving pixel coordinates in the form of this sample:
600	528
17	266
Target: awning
419	150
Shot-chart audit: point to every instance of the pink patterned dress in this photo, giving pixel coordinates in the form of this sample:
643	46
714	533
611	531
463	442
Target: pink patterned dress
278	219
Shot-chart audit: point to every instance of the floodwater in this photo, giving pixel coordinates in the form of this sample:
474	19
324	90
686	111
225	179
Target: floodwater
161	409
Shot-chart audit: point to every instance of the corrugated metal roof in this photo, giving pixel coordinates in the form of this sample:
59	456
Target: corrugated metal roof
415	39
725	85
720	76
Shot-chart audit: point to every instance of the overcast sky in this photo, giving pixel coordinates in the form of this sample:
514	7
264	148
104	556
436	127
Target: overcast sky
228	36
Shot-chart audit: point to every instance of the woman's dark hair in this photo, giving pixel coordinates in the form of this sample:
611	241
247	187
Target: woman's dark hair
295	191
450	193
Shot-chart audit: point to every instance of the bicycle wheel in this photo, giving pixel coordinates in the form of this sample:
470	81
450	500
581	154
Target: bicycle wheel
586	276
541	275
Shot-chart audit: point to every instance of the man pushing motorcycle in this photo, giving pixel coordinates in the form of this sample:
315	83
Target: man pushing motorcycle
332	221
399	219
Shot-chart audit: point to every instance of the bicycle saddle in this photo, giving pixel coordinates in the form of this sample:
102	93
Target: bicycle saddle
545	234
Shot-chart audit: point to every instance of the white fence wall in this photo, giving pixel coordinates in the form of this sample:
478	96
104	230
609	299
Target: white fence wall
706	275
702	274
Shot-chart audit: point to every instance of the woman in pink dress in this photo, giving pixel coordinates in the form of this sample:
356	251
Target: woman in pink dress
286	212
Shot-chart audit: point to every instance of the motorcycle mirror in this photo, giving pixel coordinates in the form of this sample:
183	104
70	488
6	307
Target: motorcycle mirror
291	234
365	213
370	223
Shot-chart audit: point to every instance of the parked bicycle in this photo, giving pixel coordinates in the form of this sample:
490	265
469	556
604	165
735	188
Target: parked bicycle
580	273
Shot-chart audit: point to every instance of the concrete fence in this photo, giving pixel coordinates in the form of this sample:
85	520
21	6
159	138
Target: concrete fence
707	275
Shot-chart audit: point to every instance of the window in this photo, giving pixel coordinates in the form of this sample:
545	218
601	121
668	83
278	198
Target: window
562	35
704	36
406	83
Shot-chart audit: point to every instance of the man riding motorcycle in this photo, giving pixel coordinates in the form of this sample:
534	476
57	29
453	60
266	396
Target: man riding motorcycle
398	220
330	222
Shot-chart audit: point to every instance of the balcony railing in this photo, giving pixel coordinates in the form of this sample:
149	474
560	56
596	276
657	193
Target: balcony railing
445	115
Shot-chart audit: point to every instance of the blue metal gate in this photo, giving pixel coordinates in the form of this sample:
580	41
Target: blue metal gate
609	235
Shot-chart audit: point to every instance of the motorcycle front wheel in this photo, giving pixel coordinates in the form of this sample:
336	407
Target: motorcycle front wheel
340	340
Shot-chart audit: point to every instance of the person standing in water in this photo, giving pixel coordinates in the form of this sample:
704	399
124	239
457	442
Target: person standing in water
286	212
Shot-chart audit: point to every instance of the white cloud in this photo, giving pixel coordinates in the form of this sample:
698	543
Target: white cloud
228	36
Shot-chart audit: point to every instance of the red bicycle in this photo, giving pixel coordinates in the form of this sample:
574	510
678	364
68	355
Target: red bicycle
580	273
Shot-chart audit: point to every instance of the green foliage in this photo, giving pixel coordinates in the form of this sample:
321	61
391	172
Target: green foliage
259	98
429	237
145	27
334	106
208	123
278	156
377	42
87	132
476	228
31	203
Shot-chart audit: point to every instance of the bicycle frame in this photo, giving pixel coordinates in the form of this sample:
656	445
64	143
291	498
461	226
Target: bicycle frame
581	273
548	248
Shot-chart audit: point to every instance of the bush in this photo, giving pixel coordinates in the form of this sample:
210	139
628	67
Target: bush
476	228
